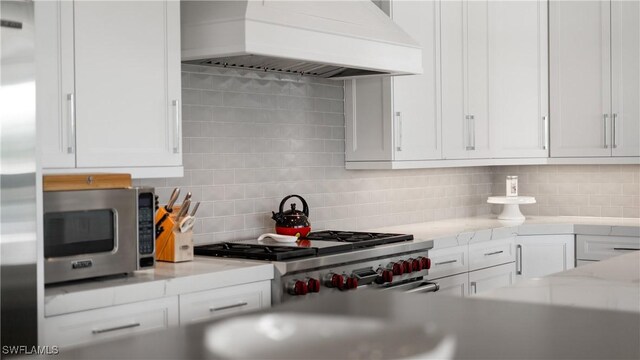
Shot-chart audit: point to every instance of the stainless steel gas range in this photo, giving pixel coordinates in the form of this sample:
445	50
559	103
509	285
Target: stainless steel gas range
330	261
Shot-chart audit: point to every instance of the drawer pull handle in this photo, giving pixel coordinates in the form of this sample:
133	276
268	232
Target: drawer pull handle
494	253
121	327
474	287
240	304
518	259
625	249
184	247
447	262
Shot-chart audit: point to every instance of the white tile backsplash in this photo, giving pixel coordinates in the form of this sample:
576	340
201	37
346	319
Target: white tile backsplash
252	138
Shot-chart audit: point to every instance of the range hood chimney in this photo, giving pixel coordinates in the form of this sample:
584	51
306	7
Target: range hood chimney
328	39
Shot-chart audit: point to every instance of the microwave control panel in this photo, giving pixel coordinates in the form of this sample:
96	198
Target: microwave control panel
146	238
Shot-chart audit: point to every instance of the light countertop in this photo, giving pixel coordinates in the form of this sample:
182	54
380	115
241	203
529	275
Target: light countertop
166	279
462	231
612	284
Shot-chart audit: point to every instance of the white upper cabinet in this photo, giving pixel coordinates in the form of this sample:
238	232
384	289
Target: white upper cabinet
112	88
595	81
494	79
396	119
625	78
518	78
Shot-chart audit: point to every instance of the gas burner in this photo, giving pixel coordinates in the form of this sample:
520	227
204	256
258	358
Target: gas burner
358	239
254	251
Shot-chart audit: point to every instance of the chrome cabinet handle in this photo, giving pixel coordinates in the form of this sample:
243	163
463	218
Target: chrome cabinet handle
545	127
471	136
518	259
494	253
625	249
604	128
71	134
446	262
399	121
474	286
220	308
613	130
128	326
176	131
424	287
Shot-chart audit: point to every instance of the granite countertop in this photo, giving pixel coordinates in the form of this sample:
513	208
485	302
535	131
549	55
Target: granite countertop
612	284
462	231
166	279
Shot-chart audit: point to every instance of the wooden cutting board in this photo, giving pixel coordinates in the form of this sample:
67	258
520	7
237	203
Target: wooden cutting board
64	182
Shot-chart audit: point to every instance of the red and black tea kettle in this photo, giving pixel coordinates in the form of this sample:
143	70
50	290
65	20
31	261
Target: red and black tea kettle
292	222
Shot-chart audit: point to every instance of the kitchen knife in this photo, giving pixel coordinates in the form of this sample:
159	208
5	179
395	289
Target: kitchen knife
195	209
172	199
184	208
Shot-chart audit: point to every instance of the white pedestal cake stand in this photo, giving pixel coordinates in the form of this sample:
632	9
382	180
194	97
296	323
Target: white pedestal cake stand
511	208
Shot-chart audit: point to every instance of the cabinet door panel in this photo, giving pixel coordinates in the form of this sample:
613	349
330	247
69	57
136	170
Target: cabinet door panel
538	256
457	285
54	76
414	97
580	79
124	114
454	135
518	78
477	77
625	69
491	278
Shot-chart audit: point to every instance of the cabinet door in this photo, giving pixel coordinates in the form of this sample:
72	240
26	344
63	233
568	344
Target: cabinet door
491	278
206	305
625	81
597	247
580	99
111	322
518	78
414	97
127	65
457	285
55	90
465	117
538	256
455	139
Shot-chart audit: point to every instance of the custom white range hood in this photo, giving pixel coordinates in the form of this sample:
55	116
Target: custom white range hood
328	39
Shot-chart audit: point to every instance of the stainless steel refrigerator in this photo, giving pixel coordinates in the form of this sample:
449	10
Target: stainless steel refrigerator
18	194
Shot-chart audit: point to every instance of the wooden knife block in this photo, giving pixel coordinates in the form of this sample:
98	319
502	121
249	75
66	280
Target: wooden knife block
173	245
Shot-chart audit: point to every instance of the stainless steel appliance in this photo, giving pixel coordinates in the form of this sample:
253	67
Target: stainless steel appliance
332	261
89	233
18	240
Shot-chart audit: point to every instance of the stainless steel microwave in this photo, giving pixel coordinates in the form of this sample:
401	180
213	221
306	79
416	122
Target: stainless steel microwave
90	233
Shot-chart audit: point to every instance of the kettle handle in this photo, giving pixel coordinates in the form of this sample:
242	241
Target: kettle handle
305	207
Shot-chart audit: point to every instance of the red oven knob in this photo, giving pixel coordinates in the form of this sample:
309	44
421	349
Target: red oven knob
386	276
352	282
313	285
396	268
416	264
407	267
426	262
334	281
298	287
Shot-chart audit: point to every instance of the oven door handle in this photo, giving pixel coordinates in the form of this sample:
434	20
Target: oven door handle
424	288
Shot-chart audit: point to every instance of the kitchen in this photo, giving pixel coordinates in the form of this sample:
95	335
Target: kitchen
250	138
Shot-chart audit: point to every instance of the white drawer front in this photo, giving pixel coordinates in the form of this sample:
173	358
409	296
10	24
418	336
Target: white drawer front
491	253
210	304
597	247
108	323
448	261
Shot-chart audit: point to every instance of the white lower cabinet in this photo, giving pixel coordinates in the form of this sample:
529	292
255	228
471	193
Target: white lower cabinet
448	261
491	253
111	322
206	305
598	247
541	255
491	278
456	285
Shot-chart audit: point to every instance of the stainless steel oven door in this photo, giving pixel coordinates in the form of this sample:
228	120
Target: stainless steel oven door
416	286
89	233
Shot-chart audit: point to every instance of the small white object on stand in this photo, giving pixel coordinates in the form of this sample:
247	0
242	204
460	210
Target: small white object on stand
511	208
